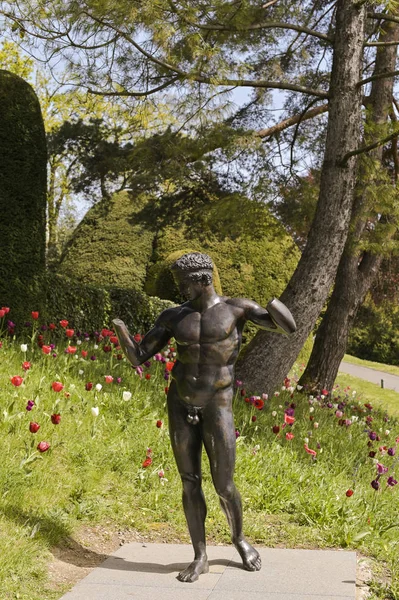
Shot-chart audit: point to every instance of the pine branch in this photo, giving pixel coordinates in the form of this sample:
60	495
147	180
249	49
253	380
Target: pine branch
135	94
382	17
363	149
310	114
378	76
253	27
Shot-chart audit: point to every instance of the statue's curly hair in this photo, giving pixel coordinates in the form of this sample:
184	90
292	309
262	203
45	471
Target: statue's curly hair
196	265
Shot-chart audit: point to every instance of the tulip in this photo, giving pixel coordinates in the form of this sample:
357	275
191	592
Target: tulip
46	349
71	349
108	379
64	323
159	424
275	429
16	380
126	396
99	387
24	347
52	326
147	462
34	427
289	436
26	365
147	376
43	446
95	411
349	493
55	419
2	313
84	353
89	386
69	332
35	314
57	386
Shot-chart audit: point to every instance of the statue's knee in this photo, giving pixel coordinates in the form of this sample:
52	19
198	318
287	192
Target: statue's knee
226	491
190	481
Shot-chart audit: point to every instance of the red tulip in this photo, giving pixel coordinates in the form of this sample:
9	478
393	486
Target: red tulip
26	365
16	380
89	386
108	379
64	323
55	419
113	339
137	337
34	427
6	309
2	313
35	314
57	386
349	493
169	365
71	349
253	418
159	424
276	429
147	462
46	349
43	446
69	332
289	420
52	326
84	353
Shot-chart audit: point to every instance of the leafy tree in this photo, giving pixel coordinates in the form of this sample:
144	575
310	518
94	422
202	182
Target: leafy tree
315	51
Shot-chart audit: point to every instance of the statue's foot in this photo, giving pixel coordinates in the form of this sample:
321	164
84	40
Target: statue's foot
193	571
250	557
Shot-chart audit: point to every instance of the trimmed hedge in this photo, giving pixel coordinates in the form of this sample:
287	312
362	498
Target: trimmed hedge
112	245
89	308
23	188
254	255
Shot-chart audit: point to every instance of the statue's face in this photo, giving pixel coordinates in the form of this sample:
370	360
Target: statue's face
188	287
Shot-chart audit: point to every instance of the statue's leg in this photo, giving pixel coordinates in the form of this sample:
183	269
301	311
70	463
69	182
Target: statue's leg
187	448
218	433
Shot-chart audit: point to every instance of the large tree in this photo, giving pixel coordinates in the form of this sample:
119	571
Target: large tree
374	222
312	50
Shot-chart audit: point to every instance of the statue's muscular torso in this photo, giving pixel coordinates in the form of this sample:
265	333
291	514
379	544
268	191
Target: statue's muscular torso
207	347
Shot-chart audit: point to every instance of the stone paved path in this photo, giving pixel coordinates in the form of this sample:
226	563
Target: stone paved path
148	572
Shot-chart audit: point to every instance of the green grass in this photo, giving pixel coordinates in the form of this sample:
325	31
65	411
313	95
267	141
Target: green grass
93	473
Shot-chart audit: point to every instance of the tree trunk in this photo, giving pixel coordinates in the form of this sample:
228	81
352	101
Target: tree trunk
269	357
355	274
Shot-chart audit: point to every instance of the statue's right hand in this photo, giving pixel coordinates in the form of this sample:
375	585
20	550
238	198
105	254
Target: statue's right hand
118	322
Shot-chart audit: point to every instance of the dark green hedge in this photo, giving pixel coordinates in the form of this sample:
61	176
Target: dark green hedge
23	163
375	334
112	245
89	308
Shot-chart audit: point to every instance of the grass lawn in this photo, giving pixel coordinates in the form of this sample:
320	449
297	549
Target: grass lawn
392	369
329	483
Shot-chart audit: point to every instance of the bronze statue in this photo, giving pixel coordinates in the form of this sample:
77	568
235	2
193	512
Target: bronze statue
207	329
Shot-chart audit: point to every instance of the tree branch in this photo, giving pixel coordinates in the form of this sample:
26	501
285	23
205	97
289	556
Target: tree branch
253	27
363	149
310	114
378	76
382	16
135	94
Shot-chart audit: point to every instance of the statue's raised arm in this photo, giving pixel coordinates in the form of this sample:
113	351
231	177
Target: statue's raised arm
152	342
275	317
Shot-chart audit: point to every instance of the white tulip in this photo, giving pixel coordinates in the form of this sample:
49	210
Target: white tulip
99	387
95	411
126	396
24	347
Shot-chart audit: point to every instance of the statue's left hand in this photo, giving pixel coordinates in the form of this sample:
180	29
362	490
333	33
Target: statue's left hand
118	322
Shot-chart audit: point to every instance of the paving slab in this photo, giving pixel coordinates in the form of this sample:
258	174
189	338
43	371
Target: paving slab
148	572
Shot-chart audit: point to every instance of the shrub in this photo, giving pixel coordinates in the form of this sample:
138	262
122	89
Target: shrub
23	163
112	245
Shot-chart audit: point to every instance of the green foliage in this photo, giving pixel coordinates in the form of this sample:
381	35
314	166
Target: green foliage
22	196
112	245
375	334
253	254
89	307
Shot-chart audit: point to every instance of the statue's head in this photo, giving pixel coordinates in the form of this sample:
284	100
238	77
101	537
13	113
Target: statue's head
191	272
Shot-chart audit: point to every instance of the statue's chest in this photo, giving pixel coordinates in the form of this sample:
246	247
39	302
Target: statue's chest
216	324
